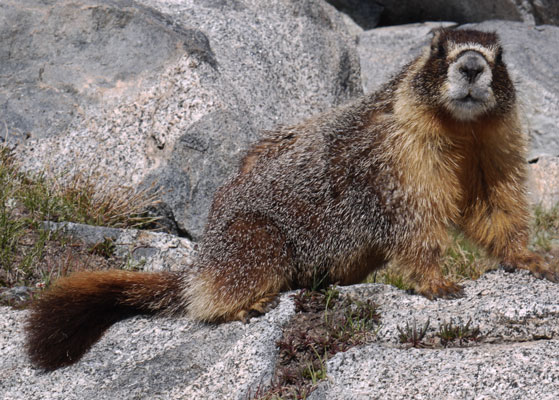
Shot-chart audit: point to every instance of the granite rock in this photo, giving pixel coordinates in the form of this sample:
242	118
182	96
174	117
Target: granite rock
514	358
64	60
544	179
165	358
145	250
170	93
205	78
147	358
533	12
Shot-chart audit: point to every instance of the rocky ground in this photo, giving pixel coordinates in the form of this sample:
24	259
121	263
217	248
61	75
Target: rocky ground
170	93
513	357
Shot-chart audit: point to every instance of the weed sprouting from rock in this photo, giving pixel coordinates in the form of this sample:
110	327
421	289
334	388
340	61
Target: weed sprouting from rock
412	336
325	323
450	332
106	248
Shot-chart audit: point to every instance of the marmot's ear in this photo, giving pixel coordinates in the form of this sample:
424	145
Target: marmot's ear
437	45
437	31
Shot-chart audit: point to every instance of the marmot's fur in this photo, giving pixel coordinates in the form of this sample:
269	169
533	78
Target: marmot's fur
335	198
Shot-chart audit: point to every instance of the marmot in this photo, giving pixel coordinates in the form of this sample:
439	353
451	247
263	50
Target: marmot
334	198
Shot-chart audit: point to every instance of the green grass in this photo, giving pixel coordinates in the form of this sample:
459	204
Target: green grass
457	332
325	323
412	335
463	260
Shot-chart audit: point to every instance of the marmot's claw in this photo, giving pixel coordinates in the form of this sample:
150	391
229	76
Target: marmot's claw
262	306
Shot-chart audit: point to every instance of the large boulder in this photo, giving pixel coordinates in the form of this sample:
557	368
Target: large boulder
63	60
366	14
385	51
514	357
145	358
166	93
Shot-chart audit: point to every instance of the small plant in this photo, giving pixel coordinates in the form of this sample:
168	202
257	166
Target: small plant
316	370
449	332
131	264
412	336
319	277
358	317
106	248
326	323
331	294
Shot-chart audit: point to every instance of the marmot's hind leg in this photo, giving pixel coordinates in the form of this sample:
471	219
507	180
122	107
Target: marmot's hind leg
244	277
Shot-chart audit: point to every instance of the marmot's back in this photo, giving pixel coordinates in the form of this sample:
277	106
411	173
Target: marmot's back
306	181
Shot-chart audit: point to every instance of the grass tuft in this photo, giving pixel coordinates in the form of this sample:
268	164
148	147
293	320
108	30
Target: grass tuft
545	230
85	198
33	256
413	336
106	248
450	332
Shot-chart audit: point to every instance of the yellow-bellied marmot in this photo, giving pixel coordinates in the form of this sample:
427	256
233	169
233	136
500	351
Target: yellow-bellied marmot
334	198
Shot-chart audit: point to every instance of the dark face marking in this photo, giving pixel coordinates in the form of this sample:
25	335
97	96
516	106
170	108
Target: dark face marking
502	85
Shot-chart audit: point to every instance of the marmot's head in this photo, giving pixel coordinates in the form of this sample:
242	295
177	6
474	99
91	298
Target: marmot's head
463	71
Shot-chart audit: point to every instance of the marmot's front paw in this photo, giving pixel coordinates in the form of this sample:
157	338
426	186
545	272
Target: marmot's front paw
441	288
534	263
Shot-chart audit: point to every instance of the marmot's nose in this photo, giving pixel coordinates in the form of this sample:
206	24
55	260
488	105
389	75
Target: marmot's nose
472	66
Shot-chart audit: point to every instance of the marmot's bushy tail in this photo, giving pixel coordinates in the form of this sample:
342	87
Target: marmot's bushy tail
68	319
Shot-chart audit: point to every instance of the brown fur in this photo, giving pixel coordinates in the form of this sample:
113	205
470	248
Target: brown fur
75	313
335	198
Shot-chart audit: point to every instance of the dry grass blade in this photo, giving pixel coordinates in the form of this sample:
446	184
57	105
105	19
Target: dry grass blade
31	256
95	203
